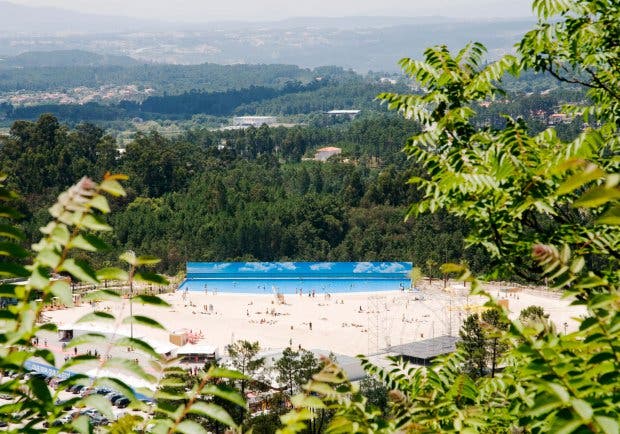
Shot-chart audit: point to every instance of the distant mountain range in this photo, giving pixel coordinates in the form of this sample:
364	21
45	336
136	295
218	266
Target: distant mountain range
360	43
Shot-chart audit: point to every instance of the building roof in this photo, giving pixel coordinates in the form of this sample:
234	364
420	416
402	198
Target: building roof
329	149
428	348
343	112
196	349
350	365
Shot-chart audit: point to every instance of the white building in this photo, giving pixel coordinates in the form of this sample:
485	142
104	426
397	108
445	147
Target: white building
323	154
253	121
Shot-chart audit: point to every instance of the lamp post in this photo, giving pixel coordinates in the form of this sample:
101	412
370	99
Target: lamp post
131	252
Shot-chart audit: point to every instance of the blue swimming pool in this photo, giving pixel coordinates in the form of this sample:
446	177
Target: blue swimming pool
293	277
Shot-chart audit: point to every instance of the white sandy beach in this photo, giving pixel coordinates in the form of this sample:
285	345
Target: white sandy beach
350	324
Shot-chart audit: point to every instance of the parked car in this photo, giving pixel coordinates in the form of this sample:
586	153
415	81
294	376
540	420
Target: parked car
114	398
78	389
122	403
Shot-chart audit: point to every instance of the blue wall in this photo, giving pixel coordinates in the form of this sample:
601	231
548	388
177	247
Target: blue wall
290	277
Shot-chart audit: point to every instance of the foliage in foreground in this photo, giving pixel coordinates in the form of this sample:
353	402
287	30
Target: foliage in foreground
77	218
543	208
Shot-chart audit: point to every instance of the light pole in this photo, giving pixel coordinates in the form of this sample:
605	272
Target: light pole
131	252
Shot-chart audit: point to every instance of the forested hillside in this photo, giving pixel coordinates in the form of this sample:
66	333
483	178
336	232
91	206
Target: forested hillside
243	194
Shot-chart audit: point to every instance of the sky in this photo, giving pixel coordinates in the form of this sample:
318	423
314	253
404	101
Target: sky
260	10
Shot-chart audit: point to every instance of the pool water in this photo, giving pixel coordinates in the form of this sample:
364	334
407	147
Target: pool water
293	285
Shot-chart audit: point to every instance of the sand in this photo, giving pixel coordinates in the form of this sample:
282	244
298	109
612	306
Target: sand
350	324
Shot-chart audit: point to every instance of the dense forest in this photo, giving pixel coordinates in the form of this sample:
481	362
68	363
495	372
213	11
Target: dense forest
242	194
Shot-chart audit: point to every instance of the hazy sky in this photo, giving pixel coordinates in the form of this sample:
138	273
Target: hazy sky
208	10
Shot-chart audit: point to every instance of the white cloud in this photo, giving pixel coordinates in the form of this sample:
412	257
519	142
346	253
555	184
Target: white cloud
383	267
322	266
267	266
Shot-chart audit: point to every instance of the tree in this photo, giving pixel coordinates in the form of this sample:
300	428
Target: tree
495	326
474	345
295	368
244	358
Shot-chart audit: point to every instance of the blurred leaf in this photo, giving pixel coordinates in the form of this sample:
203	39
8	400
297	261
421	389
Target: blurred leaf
307	401
130	257
112	186
144	276
147	260
597	196
11	249
216	372
8	269
81	270
190	427
96	316
88	242
101	295
87	338
591	173
150	299
101	203
228	393
11	232
95	223
212	411
143	320
611	217
112	273
39	389
62	290
99	403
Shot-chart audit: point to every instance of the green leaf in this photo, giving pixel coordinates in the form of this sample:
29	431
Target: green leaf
101	203
95	223
559	391
87	338
582	408
101	295
307	401
88	242
611	217
147	260
143	320
96	316
99	403
607	424
62	290
190	427
11	232
82	424
39	389
214	412
224	392
81	270
12	250
216	372
113	187
146	277
150	299
129	257
591	173
112	273
597	196
8	269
